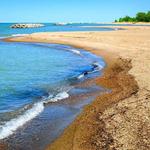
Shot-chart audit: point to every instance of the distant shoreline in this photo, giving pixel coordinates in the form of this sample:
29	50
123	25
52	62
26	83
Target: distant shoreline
138	23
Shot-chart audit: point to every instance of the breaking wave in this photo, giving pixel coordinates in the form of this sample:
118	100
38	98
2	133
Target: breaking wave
95	68
16	35
11	126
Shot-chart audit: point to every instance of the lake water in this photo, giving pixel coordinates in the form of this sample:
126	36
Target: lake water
34	78
5	29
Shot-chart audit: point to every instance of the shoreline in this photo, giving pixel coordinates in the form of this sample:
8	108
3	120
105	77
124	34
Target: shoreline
76	95
117	27
136	23
87	131
100	121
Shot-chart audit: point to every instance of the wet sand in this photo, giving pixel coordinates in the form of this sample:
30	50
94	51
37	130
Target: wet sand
49	125
116	120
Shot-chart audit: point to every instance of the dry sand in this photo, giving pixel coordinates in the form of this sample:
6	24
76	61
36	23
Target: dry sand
136	23
120	119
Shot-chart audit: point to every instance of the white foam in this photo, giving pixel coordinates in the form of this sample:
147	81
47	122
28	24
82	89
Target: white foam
75	51
97	67
15	35
80	76
9	127
59	96
100	67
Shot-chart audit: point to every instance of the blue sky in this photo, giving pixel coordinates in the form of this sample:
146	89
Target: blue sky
69	10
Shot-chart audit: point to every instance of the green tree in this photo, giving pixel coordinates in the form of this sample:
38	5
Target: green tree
127	19
120	19
134	19
148	16
141	17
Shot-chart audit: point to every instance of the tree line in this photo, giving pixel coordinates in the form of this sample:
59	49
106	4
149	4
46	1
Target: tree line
140	17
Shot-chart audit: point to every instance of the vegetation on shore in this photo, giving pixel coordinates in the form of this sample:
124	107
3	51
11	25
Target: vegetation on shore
140	17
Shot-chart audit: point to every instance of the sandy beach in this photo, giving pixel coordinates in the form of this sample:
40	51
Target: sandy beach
136	23
116	120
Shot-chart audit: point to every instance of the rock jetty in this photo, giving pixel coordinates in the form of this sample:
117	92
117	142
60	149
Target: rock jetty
27	25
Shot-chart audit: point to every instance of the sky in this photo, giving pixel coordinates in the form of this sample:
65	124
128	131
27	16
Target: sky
69	10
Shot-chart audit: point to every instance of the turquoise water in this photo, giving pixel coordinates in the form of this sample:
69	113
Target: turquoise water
5	29
28	71
32	75
34	78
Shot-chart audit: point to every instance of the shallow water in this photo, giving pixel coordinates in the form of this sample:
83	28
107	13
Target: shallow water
38	93
32	75
5	29
48	125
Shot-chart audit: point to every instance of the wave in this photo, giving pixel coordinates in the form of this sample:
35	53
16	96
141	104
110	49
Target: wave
95	68
59	96
11	126
81	76
75	51
15	35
